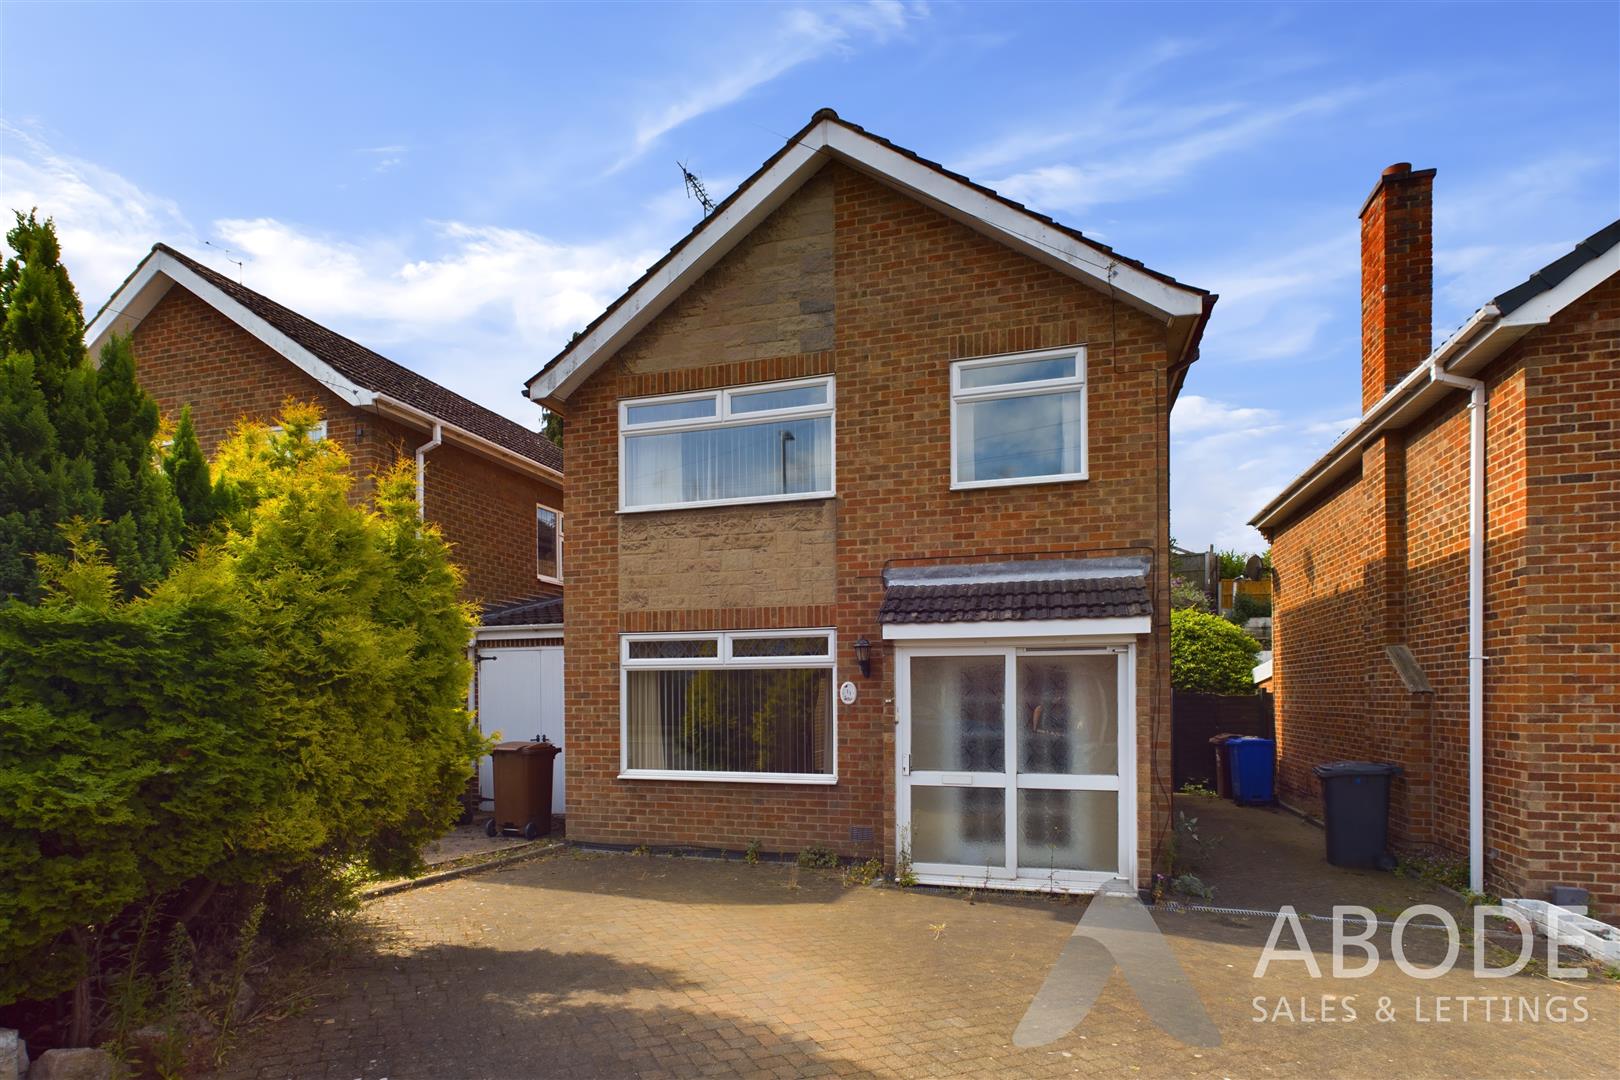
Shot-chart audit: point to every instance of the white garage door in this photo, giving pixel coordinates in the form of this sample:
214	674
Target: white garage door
520	695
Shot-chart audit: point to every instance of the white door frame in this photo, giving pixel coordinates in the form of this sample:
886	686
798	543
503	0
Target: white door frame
1011	876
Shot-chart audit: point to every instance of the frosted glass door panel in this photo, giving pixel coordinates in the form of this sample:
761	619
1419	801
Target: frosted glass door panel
1068	830
959	826
1068	714
958	714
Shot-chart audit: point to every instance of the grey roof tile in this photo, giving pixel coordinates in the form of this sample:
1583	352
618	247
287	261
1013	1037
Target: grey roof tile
528	611
1012	592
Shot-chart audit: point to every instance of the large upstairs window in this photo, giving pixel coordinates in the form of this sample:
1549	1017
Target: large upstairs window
764	442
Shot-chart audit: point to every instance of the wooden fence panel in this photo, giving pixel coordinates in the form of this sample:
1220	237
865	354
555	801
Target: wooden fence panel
1196	718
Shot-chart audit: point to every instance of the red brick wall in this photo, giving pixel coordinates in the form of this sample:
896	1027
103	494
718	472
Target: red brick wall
1552	738
188	353
1397	278
913	291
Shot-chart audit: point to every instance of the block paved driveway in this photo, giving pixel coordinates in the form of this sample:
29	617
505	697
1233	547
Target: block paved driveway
625	965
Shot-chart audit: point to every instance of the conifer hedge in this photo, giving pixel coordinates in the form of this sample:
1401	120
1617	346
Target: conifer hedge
285	708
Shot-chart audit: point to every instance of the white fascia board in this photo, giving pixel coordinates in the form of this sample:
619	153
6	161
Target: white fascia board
1030	628
1486	335
704	250
133	302
1018	230
1539	310
958	200
393	407
508	633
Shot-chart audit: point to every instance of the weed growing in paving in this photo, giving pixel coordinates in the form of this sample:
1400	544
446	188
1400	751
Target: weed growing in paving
863	873
818	858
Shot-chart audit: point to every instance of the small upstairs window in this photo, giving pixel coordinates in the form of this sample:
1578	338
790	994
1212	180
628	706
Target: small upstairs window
1019	419
548	544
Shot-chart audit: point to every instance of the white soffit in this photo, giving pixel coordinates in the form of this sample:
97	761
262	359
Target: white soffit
151	281
956	199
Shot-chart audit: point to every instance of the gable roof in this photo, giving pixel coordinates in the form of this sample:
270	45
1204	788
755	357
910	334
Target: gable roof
827	137
352	371
1486	334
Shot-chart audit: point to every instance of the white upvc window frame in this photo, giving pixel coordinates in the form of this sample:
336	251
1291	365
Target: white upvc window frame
724	660
724	418
317	432
1000	391
558	578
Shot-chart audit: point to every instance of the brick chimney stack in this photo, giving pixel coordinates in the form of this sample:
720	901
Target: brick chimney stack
1397	278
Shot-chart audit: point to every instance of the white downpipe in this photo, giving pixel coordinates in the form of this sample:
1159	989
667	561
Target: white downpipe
421	468
1476	618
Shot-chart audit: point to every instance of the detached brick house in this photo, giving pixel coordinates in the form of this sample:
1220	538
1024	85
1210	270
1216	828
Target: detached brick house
869	531
203	340
1446	590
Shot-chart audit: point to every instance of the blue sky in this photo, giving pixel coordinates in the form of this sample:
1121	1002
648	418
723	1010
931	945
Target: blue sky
461	187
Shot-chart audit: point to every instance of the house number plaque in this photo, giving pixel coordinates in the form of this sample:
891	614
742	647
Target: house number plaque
846	693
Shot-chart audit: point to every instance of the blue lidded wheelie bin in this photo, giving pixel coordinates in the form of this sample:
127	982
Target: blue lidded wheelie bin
1253	764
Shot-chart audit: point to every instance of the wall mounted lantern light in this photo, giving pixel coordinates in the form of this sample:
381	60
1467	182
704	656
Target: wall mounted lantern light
863	656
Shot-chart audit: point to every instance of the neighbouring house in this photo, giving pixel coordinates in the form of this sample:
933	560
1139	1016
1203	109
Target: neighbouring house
1446	596
869	530
494	487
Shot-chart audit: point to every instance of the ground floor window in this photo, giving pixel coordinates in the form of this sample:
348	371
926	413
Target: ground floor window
736	705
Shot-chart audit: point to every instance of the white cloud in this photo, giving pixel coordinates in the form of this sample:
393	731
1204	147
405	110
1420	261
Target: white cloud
474	306
1153	157
801	35
1229	460
385	158
106	223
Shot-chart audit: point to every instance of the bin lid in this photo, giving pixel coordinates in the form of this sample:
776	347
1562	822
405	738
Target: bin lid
526	746
1225	736
1356	768
1249	739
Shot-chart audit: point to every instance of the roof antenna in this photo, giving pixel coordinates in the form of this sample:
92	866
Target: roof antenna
227	252
695	188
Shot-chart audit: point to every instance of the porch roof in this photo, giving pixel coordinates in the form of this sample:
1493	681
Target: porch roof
1041	589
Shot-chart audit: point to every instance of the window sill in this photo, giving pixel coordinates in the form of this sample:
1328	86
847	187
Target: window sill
727	778
764	500
548	580
1019	481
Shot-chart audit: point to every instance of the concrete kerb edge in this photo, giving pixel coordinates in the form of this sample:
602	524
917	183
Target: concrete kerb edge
529	851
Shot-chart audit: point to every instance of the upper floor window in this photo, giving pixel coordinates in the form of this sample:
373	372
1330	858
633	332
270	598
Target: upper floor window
759	443
548	543
1019	419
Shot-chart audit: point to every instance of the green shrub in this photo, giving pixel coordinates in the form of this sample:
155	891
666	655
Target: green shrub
1210	655
1245	608
286	710
1186	594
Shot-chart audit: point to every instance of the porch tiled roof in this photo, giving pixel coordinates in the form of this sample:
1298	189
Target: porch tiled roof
1017	591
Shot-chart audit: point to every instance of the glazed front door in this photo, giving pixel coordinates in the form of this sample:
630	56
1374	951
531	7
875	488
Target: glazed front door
1011	762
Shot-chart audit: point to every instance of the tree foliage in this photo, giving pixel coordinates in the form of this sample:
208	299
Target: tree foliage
551	426
1209	655
76	439
202	501
287	704
1187	594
